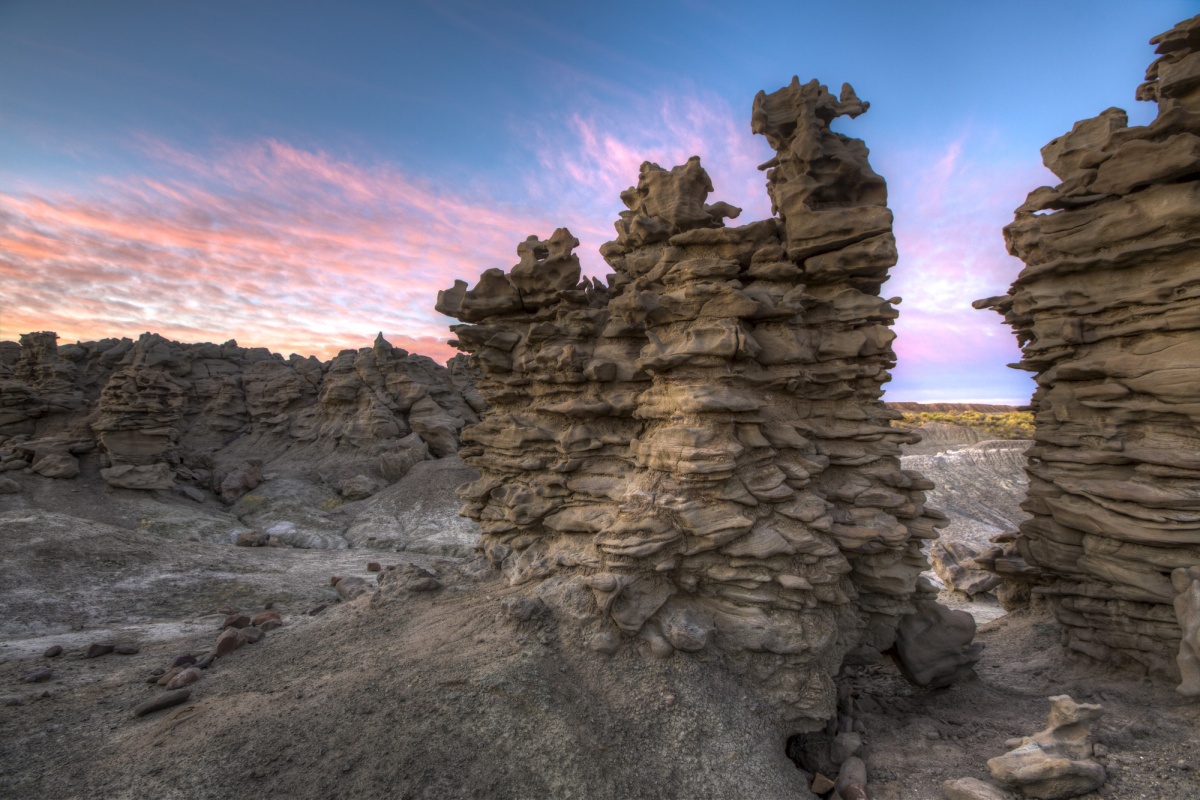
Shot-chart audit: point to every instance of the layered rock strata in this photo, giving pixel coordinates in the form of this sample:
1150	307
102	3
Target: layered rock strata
159	414
1107	312
693	453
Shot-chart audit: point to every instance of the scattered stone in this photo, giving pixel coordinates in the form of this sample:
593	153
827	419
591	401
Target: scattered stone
251	539
227	609
8	485
96	650
53	651
360	487
165	700
374	566
38	677
236	621
192	493
229	640
252	634
352	587
408	578
182	661
1055	763
56	465
851	781
267	620
972	789
168	676
845	745
821	784
186	677
127	649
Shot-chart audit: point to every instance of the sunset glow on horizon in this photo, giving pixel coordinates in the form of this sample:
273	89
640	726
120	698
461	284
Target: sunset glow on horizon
303	186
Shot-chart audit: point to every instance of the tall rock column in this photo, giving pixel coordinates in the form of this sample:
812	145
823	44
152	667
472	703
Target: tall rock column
693	455
1107	312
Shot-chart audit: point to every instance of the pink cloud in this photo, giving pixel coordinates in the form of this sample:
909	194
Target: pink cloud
272	245
298	250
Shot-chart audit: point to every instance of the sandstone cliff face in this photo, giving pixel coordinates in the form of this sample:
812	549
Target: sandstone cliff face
694	452
1107	311
161	414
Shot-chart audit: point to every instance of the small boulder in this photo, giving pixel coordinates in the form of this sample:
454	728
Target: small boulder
96	650
374	566
8	485
40	676
56	465
186	677
360	487
267	620
972	789
162	701
1055	763
236	621
252	634
251	539
127	649
229	640
53	652
352	587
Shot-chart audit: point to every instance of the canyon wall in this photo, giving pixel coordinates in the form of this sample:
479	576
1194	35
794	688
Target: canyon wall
1107	312
692	455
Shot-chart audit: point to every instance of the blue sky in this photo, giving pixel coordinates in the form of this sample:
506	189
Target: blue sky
301	175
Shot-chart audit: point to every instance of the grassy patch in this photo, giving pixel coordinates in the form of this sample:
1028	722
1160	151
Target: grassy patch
1004	425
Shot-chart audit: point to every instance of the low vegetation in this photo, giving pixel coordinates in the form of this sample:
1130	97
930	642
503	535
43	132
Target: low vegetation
995	425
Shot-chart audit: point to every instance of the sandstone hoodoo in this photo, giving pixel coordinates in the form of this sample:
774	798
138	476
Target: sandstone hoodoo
692	455
1107	311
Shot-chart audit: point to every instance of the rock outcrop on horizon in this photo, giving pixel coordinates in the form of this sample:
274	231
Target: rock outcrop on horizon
1107	312
693	454
157	414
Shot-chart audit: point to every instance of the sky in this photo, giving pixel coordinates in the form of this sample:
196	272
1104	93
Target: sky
302	175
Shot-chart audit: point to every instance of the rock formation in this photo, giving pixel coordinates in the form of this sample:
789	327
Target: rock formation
207	417
1055	763
1107	312
693	453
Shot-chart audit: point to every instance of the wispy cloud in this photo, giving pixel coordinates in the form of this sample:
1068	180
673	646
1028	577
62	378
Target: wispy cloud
951	203
268	243
300	250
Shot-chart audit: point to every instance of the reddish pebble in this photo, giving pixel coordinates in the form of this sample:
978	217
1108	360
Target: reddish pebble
37	677
167	677
333	579
374	566
188	676
236	621
53	652
127	649
259	619
94	650
184	660
252	634
227	609
228	641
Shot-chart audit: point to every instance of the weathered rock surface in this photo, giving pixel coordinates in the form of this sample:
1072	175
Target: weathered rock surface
1055	763
1107	311
155	413
693	455
979	487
